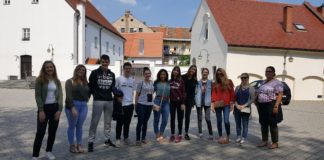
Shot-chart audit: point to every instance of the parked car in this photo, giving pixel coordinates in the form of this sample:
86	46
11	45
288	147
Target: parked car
286	97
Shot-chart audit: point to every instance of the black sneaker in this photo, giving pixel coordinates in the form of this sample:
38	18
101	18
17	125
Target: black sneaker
187	137
109	143
90	147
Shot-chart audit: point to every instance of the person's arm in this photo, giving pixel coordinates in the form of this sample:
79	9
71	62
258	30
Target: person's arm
92	81
68	91
138	91
38	95
60	96
182	92
251	97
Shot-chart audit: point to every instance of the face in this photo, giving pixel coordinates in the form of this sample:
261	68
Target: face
175	72
81	71
127	70
193	71
205	74
147	75
105	63
49	69
219	73
269	73
244	79
163	76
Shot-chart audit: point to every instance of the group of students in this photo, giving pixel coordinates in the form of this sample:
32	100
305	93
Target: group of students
175	97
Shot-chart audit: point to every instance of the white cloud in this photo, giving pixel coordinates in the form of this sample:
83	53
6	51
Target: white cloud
131	2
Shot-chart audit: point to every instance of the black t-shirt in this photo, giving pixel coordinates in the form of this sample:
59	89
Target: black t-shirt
190	86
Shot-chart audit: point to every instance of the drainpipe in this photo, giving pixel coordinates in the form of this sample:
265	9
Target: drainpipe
100	44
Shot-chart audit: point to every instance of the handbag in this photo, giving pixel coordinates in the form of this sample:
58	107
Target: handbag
219	104
158	107
246	110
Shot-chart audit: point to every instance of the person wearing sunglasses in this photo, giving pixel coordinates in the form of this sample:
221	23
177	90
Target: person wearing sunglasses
245	95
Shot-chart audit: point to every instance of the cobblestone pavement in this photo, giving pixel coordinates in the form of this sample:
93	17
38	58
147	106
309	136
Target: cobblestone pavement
301	135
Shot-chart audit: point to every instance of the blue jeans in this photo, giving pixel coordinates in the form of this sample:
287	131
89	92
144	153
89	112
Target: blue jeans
143	115
76	124
241	119
165	110
226	112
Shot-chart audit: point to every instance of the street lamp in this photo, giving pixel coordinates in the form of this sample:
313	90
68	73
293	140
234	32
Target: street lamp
50	50
200	56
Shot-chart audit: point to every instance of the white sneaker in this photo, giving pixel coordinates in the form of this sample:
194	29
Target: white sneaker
35	158
242	141
200	135
50	156
117	143
238	140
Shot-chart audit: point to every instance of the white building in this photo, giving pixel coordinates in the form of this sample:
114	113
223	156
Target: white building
67	31
247	36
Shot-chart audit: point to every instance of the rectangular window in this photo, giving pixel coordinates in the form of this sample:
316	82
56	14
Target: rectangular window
141	47
107	46
26	34
114	49
122	30
206	31
131	30
119	51
6	2
96	42
140	29
34	1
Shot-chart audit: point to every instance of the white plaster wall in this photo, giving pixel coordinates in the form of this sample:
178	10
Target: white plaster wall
92	31
46	28
215	46
304	64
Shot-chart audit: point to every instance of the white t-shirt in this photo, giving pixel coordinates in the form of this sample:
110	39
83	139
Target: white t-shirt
127	86
51	88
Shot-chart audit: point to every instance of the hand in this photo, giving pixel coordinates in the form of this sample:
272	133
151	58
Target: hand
275	109
41	116
238	107
57	115
183	107
212	107
232	106
74	112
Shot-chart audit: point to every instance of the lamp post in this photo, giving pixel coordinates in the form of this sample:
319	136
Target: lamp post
200	56
50	50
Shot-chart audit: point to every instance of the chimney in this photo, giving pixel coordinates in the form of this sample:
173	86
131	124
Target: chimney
287	19
127	14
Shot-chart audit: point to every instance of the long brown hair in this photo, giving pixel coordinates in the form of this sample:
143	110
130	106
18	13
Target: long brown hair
224	81
43	77
193	76
179	75
76	78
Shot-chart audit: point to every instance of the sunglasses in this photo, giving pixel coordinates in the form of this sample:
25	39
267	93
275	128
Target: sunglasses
244	78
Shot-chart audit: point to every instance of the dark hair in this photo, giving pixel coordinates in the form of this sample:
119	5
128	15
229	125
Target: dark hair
42	77
105	57
224	81
127	64
195	75
146	69
158	78
203	69
179	75
272	68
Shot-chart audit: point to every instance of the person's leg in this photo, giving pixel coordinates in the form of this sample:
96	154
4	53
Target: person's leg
128	115
72	126
147	115
119	126
52	127
108	110
82	115
156	120
165	115
180	114
207	118
40	133
245	121
219	118
199	117
226	113
140	120
96	114
237	117
274	133
187	116
172	114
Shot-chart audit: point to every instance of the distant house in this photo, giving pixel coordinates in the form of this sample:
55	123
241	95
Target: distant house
247	36
176	43
69	32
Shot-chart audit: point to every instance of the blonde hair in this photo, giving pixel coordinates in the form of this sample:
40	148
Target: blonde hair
76	78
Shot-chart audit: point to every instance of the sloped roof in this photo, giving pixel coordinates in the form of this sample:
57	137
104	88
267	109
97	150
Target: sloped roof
153	44
173	32
259	24
93	14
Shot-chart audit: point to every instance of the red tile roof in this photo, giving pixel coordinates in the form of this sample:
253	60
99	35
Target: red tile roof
153	44
173	32
259	24
93	14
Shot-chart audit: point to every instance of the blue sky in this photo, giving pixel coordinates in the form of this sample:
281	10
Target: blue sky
173	13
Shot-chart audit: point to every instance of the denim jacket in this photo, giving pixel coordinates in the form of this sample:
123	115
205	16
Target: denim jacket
207	94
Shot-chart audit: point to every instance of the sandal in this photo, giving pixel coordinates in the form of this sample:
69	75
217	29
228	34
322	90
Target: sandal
274	146
73	149
80	149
